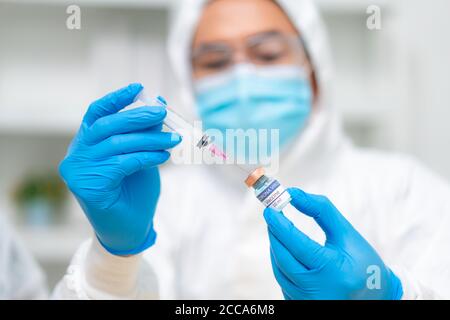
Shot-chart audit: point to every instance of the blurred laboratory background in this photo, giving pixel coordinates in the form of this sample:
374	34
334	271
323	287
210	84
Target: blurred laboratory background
392	87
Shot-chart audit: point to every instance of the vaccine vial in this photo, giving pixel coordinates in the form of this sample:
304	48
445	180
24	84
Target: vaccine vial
268	190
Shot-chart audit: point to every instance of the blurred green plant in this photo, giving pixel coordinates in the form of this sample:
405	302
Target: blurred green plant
38	189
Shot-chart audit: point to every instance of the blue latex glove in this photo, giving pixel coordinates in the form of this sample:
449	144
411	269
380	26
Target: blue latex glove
338	270
110	167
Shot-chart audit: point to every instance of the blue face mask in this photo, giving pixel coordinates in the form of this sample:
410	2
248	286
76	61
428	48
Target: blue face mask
254	97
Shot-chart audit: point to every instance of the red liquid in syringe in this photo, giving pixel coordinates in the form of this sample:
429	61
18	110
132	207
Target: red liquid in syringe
217	152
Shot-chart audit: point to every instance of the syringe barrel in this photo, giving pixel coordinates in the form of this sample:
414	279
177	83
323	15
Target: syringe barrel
172	120
175	123
202	141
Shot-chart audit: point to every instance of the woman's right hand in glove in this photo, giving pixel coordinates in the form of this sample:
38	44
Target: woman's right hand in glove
111	168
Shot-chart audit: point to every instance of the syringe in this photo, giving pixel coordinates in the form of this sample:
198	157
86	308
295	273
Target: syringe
268	190
175	122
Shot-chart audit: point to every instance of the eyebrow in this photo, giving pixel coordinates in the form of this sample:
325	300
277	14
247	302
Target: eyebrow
265	33
255	36
207	47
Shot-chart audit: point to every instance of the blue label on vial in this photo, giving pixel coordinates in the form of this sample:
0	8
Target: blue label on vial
263	195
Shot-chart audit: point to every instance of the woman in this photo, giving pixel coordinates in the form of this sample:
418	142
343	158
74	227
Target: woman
233	57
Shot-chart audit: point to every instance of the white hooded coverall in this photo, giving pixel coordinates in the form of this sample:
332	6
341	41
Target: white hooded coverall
212	238
20	275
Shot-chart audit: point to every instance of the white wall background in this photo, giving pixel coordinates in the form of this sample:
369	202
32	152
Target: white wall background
426	26
392	85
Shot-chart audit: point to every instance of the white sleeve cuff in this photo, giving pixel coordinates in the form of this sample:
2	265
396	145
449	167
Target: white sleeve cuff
413	289
107	276
96	274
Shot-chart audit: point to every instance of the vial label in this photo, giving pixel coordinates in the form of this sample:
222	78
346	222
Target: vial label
268	191
274	196
281	201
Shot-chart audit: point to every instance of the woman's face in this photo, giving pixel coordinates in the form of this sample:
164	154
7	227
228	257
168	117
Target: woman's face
234	31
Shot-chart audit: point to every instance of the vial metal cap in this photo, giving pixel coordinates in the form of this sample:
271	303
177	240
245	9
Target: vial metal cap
254	176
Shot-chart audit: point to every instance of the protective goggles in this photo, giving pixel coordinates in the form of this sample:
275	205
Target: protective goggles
266	48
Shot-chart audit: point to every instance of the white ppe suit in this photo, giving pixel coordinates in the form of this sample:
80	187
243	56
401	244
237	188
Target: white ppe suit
20	275
212	238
